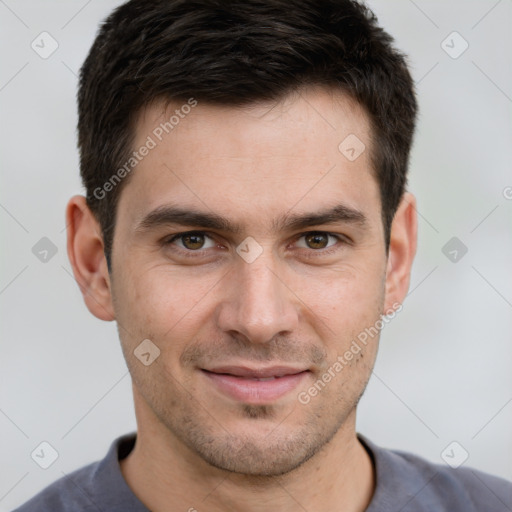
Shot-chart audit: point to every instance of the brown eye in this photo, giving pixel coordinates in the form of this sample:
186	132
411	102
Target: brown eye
317	240
193	241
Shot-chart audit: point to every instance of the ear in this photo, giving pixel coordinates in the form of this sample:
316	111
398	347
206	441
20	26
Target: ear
402	249
85	252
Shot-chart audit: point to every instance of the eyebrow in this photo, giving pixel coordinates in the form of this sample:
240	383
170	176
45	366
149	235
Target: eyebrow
168	214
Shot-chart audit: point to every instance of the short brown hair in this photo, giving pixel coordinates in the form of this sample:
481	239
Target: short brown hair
237	52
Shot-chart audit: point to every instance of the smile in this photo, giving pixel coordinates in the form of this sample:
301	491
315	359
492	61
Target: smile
255	386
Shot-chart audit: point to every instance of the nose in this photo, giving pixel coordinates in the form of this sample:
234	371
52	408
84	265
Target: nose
258	305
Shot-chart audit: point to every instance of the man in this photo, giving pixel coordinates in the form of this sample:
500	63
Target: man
247	226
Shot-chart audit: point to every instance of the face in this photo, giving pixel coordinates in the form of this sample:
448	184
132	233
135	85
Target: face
250	251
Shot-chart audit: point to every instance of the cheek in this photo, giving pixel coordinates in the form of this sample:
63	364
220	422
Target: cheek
346	300
350	312
163	305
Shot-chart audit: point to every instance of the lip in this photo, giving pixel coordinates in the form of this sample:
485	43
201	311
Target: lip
241	383
256	373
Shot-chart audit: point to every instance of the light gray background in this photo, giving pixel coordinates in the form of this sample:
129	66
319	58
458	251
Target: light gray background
444	367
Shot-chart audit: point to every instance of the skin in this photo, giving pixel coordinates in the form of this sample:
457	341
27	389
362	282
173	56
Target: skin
296	304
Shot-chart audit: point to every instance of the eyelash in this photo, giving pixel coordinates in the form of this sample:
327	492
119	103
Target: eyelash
311	253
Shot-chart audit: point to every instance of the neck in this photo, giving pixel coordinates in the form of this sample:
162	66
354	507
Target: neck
161	471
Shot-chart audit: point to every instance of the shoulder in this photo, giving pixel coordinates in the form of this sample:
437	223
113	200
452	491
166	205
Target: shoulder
412	483
71	492
463	488
98	486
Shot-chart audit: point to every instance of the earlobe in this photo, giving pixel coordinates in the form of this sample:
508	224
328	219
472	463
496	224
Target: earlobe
402	249
85	252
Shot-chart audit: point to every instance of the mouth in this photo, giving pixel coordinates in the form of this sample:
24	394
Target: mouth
255	385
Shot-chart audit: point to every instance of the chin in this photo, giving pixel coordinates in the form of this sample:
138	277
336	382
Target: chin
257	449
255	460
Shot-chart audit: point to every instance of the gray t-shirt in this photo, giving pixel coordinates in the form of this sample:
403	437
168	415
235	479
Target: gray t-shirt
404	482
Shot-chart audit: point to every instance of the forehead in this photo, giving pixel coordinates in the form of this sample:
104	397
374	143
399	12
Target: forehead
253	163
